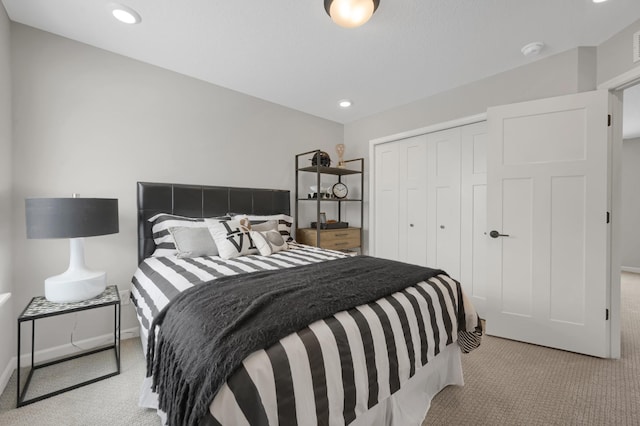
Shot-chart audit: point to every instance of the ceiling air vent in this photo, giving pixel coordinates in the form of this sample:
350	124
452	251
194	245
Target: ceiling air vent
636	47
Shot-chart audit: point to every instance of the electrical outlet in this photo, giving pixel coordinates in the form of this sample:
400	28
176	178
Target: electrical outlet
636	47
124	297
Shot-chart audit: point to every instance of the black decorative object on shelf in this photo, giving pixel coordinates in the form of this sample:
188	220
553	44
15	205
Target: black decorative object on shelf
325	160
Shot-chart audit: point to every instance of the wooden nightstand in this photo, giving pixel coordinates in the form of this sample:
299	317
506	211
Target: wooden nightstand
39	307
335	239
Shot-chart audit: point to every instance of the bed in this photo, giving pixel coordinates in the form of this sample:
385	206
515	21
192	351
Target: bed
378	357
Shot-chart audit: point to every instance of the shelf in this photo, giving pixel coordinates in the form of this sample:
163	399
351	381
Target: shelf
329	199
330	170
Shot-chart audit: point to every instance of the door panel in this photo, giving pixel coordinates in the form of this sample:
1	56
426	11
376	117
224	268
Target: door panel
386	201
443	199
567	255
413	200
517	248
548	190
473	214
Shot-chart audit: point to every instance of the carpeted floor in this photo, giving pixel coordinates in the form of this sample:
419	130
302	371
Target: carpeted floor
512	383
507	383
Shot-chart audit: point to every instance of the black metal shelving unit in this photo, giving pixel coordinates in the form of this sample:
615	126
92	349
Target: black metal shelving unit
335	171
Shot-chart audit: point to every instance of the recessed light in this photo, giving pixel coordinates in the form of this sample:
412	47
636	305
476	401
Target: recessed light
599	1
124	13
345	103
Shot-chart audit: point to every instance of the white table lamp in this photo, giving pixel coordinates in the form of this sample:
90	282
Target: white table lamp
73	218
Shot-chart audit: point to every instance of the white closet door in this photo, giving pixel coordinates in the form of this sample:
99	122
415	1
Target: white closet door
412	204
385	226
473	214
443	200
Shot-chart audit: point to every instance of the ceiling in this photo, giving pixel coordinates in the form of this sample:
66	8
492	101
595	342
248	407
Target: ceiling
289	52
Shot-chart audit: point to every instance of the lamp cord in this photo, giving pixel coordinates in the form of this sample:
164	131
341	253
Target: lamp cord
73	330
75	323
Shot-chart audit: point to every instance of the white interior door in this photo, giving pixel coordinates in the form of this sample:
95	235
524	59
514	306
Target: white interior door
548	191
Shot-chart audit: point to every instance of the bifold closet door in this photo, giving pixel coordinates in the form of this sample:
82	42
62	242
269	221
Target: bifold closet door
443	200
412	203
386	196
400	231
473	214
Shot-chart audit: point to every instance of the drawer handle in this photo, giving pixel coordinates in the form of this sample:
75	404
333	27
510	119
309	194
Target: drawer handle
343	243
344	234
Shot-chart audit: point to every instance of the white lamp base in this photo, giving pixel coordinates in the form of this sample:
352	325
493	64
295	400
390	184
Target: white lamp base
74	287
77	283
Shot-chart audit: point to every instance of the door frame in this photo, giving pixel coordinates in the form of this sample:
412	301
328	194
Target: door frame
472	119
615	86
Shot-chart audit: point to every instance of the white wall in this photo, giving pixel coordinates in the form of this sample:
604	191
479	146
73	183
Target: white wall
568	72
630	212
615	56
95	123
7	321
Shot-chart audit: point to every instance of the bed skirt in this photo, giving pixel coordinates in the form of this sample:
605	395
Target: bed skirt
408	406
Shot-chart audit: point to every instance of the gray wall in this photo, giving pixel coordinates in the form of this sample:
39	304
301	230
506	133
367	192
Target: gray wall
630	236
7	324
561	74
92	122
615	56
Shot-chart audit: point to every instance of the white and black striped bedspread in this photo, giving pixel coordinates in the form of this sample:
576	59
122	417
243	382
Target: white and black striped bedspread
333	370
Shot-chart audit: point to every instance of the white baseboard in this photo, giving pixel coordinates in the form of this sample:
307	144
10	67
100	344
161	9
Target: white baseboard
633	269
6	374
62	350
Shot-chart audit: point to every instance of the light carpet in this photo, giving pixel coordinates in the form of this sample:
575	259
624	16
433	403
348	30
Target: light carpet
507	383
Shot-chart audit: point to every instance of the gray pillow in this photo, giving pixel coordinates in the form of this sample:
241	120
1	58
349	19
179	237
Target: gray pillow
193	242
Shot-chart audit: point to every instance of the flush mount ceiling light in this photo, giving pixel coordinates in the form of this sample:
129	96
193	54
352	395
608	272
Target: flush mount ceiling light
532	49
124	13
350	13
345	103
599	1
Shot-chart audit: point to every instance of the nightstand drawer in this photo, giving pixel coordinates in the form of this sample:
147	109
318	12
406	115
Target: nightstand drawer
330	238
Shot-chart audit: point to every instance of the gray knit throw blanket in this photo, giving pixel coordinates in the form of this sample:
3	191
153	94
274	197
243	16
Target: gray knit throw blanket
207	330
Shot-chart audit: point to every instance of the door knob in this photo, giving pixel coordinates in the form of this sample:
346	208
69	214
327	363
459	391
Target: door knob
496	234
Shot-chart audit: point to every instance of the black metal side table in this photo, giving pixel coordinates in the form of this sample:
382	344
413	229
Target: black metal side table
39	307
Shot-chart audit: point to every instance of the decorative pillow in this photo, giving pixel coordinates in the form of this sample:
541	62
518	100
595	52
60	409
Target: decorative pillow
193	242
268	242
162	222
285	222
231	238
269	225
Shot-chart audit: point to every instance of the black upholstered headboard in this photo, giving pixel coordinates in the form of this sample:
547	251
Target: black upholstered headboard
201	201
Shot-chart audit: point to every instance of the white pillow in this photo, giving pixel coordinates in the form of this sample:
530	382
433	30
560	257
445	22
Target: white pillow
268	242
231	238
285	222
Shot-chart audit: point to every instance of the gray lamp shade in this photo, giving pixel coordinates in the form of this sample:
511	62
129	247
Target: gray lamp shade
71	217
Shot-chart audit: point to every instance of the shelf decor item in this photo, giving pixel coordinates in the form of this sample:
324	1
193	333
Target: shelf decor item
322	158
73	218
340	151
339	190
